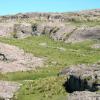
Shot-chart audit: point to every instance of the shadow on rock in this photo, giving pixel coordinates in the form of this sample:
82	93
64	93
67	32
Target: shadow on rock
76	83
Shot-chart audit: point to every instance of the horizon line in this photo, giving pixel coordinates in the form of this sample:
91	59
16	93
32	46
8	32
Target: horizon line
25	12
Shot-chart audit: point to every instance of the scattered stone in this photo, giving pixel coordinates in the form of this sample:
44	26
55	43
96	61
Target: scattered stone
22	30
43	44
82	77
63	33
82	34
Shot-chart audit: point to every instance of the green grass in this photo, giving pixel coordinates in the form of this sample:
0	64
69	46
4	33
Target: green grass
31	75
74	54
45	85
42	89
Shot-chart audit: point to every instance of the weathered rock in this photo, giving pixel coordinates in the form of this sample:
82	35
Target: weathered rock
22	30
82	78
17	59
63	33
8	89
85	95
82	34
15	30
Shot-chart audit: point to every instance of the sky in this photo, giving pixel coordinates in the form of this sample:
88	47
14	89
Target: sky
18	6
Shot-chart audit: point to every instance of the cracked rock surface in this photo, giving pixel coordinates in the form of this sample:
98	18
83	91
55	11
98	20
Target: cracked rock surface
17	59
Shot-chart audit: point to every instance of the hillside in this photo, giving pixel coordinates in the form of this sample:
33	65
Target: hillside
50	56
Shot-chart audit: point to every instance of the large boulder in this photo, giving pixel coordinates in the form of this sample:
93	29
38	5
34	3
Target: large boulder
22	30
82	77
6	29
85	33
83	82
16	30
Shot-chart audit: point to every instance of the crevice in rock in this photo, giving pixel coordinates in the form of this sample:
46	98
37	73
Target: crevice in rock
3	57
75	83
68	35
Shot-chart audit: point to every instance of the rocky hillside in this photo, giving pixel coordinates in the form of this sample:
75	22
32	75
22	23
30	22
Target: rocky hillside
68	27
34	64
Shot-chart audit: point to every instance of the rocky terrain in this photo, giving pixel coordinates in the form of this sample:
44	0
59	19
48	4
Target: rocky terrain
13	59
36	47
82	78
59	26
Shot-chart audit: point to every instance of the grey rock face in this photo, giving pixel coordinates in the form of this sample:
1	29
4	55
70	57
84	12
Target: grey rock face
22	30
83	82
82	34
18	60
82	78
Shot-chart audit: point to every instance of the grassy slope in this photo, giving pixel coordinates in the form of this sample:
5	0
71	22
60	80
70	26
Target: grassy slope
46	85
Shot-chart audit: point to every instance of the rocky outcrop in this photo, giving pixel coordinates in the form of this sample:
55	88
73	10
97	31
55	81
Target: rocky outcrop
15	30
17	59
82	78
22	30
63	33
82	34
58	26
